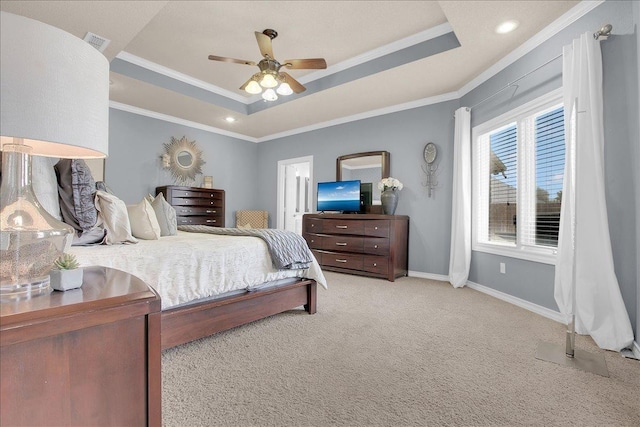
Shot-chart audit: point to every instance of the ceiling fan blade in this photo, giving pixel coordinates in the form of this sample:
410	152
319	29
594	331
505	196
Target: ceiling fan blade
232	60
264	43
306	64
293	83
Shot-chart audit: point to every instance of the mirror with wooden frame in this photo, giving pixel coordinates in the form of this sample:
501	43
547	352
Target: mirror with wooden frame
369	167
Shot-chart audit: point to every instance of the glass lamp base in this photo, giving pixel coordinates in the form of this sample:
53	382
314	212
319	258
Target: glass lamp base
23	291
30	238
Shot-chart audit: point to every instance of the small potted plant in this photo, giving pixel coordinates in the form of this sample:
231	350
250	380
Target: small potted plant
66	274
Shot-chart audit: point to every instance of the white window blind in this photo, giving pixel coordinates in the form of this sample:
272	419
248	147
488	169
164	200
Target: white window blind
518	174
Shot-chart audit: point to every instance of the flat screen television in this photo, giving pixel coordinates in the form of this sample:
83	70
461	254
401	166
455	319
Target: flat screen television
339	196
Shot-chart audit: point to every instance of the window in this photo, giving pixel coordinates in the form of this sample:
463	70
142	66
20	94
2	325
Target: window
518	172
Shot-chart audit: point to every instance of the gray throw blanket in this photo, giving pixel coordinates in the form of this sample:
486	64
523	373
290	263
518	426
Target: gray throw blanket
288	250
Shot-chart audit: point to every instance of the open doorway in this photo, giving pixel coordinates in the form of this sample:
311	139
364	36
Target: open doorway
295	192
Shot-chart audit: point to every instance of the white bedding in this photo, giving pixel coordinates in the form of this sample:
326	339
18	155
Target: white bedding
192	266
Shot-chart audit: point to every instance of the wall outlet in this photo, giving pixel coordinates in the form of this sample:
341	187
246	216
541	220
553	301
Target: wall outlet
503	268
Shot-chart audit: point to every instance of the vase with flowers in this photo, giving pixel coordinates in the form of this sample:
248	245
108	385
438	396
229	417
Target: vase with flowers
390	188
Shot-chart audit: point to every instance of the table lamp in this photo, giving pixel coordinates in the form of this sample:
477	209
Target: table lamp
54	101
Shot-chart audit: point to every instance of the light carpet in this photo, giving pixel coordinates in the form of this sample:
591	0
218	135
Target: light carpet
412	352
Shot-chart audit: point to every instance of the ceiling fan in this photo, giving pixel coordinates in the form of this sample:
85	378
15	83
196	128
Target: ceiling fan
270	77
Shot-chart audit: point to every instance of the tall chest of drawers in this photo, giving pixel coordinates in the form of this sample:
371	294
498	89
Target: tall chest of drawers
194	205
369	245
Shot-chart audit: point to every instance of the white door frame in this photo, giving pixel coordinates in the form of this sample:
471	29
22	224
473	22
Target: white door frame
280	185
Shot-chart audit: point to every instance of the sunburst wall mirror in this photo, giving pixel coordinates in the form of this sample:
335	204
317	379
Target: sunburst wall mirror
184	160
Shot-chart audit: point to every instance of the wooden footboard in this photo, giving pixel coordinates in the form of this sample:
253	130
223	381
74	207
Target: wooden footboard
184	324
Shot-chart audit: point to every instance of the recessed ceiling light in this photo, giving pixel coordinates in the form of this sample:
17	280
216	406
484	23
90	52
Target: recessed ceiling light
230	119
507	26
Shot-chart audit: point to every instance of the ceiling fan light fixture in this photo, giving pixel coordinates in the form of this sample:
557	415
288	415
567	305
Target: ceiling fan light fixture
284	89
268	81
269	95
253	88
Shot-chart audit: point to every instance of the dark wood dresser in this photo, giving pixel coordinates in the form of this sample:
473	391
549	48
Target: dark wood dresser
87	356
195	205
369	245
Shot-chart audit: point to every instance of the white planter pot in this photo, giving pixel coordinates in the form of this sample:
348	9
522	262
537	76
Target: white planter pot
63	280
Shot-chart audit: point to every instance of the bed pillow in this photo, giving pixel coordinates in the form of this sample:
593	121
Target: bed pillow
113	215
143	221
76	188
166	215
45	184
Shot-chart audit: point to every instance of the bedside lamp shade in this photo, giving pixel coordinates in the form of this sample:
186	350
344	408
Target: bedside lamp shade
54	101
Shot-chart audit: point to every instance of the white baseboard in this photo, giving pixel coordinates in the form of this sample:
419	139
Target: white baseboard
538	309
636	350
440	277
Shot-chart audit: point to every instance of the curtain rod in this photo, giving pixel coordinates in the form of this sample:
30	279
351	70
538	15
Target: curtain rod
603	33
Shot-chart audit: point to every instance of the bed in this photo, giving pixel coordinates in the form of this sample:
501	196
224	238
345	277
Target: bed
209	283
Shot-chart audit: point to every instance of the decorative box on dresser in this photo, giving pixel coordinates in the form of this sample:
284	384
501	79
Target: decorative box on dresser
195	205
369	244
87	356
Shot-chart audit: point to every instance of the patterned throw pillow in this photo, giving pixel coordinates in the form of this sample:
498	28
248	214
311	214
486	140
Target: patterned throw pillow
166	215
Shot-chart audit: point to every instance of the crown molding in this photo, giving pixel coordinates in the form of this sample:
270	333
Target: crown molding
568	18
178	121
559	24
378	52
176	75
366	115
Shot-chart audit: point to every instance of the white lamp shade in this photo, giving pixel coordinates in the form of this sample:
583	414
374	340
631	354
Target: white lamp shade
55	90
269	95
268	81
253	87
284	89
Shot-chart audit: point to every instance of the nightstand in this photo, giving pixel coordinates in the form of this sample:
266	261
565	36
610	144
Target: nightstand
87	356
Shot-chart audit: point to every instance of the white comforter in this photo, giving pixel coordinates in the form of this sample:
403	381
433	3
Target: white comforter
191	266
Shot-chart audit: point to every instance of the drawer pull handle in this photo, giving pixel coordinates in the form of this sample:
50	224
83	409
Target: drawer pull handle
341	226
312	241
375	228
375	246
340	244
211	220
341	260
313	225
211	212
375	264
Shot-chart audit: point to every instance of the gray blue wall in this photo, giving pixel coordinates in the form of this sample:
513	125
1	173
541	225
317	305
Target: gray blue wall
404	135
133	168
248	171
533	281
636	22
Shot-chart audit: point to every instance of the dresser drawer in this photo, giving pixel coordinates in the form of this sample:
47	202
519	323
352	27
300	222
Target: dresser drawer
313	225
186	211
178	201
376	264
378	228
343	260
343	243
340	226
313	240
318	255
195	194
376	245
198	220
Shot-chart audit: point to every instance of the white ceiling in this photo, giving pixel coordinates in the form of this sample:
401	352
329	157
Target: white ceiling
157	39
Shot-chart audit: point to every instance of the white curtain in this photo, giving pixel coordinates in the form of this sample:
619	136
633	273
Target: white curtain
584	239
460	253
